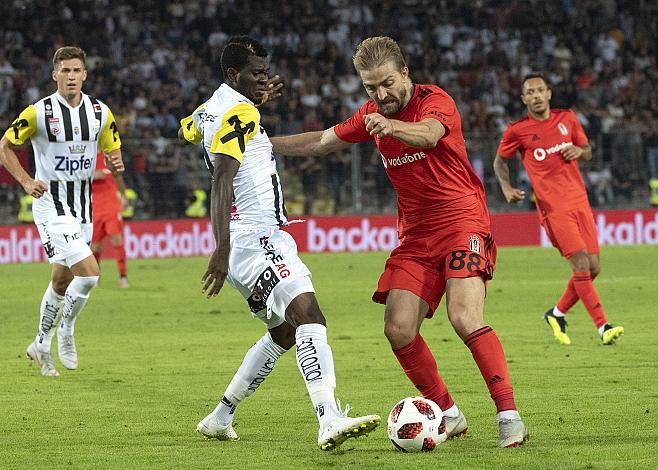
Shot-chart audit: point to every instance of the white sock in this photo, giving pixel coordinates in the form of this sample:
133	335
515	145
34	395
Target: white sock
557	313
256	366
316	364
451	412
75	299
508	414
602	329
50	313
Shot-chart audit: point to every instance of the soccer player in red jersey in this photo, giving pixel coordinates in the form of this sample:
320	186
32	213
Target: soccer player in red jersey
109	193
443	224
551	141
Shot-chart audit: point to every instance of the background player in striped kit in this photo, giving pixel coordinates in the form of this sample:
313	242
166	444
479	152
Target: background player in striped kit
254	255
109	194
65	130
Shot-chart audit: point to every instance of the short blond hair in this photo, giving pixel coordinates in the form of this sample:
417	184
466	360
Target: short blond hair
69	52
376	51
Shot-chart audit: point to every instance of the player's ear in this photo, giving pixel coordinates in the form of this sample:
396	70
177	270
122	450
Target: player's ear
84	75
54	75
232	75
550	93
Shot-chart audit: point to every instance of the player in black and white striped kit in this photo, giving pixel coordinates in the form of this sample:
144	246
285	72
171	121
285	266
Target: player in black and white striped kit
254	255
65	129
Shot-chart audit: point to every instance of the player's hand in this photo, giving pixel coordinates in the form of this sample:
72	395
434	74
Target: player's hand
115	163
571	152
35	188
514	195
213	279
124	203
101	174
378	125
274	86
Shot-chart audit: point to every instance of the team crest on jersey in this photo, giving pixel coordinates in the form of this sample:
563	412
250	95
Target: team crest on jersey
474	244
95	126
76	130
563	129
53	125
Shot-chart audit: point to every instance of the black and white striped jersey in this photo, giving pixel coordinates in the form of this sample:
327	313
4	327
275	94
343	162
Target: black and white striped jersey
65	142
229	123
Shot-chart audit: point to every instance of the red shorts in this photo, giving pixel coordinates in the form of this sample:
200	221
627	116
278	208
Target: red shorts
106	224
572	232
422	265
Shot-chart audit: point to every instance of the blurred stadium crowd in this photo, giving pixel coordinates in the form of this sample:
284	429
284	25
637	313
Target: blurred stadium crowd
152	62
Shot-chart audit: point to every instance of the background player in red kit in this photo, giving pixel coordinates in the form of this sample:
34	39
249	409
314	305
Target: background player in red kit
109	194
443	225
551	141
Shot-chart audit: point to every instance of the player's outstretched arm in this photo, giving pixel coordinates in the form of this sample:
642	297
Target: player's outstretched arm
9	160
308	144
422	134
501	168
220	211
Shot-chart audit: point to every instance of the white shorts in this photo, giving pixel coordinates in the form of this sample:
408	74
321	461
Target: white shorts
65	240
265	268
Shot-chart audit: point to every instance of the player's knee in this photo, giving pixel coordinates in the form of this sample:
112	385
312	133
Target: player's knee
84	284
283	335
464	318
61	284
399	334
304	310
580	262
116	240
595	271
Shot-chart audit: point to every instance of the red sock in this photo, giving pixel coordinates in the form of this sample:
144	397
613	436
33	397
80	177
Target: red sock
490	358
418	363
120	255
585	288
569	297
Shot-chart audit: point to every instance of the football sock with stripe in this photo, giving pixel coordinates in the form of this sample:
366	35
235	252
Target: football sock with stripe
120	256
255	368
419	364
490	358
568	299
585	287
50	313
75	299
316	364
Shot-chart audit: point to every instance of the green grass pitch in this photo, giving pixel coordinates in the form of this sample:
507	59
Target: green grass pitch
155	359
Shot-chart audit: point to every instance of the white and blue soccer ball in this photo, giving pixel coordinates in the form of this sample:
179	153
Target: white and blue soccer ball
416	424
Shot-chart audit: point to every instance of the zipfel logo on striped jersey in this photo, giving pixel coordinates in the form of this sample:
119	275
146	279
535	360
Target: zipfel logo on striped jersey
540	153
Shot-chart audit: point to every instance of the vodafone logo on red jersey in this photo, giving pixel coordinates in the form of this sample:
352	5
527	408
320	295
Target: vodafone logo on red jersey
403	160
540	153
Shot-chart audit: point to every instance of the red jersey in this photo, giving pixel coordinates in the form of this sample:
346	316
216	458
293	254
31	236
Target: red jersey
104	191
435	186
557	183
